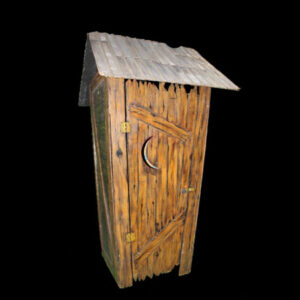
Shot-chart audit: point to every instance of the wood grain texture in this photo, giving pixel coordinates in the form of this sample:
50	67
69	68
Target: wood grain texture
152	177
116	110
103	196
200	134
150	203
158	239
155	195
133	157
160	123
161	199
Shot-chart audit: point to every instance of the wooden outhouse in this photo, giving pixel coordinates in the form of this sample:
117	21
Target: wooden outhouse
149	108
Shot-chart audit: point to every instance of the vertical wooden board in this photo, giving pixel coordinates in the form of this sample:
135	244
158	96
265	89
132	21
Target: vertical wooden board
179	207
141	99
153	157
98	104
163	156
192	109
161	207
172	199
152	191
142	270
116	109
157	261
179	244
132	152
144	100
162	182
180	204
199	154
97	178
169	254
154	99
196	179
150	199
167	263
171	179
158	207
142	188
190	102
178	106
163	101
182	106
180	150
171	104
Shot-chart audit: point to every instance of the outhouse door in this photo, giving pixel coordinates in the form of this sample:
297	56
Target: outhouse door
159	149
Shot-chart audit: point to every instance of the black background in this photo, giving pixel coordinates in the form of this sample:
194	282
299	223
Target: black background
226	246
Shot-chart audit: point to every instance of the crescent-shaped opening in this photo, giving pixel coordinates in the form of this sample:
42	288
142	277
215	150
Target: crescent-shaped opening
145	156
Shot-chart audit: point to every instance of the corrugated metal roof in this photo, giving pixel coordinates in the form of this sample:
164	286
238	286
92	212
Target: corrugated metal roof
131	58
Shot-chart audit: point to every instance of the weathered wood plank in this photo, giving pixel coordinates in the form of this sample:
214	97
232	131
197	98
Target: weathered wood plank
97	174
170	198
179	233
98	100
172	103
163	101
183	105
196	179
188	119
173	180
116	109
179	206
152	175
191	102
142	189
161	199
157	262
160	123
100	177
145	101
131	92
158	239
192	109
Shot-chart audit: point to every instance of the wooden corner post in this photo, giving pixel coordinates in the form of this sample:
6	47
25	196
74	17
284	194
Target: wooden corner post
120	197
196	174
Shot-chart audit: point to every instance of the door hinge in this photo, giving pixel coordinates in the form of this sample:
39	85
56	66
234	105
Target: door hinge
190	189
130	237
125	127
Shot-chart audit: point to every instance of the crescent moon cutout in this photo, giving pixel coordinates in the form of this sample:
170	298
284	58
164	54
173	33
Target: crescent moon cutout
144	154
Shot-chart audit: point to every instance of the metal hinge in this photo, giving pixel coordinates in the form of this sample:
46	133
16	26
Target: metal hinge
125	127
130	237
190	189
